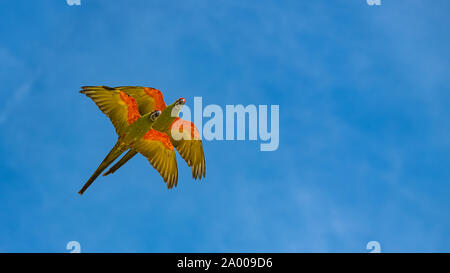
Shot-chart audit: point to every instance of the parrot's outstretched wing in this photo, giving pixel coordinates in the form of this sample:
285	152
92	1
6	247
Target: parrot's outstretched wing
148	99
156	147
121	108
184	136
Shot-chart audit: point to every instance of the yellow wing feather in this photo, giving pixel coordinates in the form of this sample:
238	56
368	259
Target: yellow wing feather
158	150
184	136
121	108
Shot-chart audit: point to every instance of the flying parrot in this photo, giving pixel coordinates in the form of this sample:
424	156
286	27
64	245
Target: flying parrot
186	139
134	132
127	105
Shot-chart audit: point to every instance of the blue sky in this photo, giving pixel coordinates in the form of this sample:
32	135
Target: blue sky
364	125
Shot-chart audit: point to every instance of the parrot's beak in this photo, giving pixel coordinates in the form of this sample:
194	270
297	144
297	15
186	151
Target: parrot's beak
181	101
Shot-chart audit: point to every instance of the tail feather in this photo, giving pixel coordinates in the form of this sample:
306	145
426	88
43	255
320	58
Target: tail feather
115	152
122	161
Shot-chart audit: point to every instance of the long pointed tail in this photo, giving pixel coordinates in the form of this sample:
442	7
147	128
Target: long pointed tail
115	152
122	161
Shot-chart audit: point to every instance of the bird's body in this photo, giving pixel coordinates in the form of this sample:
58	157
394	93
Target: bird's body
128	137
189	145
144	125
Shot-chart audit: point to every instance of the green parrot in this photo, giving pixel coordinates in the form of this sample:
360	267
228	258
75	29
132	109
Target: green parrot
188	142
134	131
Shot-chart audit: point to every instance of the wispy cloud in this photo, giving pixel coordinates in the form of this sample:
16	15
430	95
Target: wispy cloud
357	159
14	100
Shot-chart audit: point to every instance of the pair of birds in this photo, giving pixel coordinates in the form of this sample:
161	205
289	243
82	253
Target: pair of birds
145	125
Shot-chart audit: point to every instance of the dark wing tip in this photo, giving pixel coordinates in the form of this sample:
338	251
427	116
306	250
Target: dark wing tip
85	87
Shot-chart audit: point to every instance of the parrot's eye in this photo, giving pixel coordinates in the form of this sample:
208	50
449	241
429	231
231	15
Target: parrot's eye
155	115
